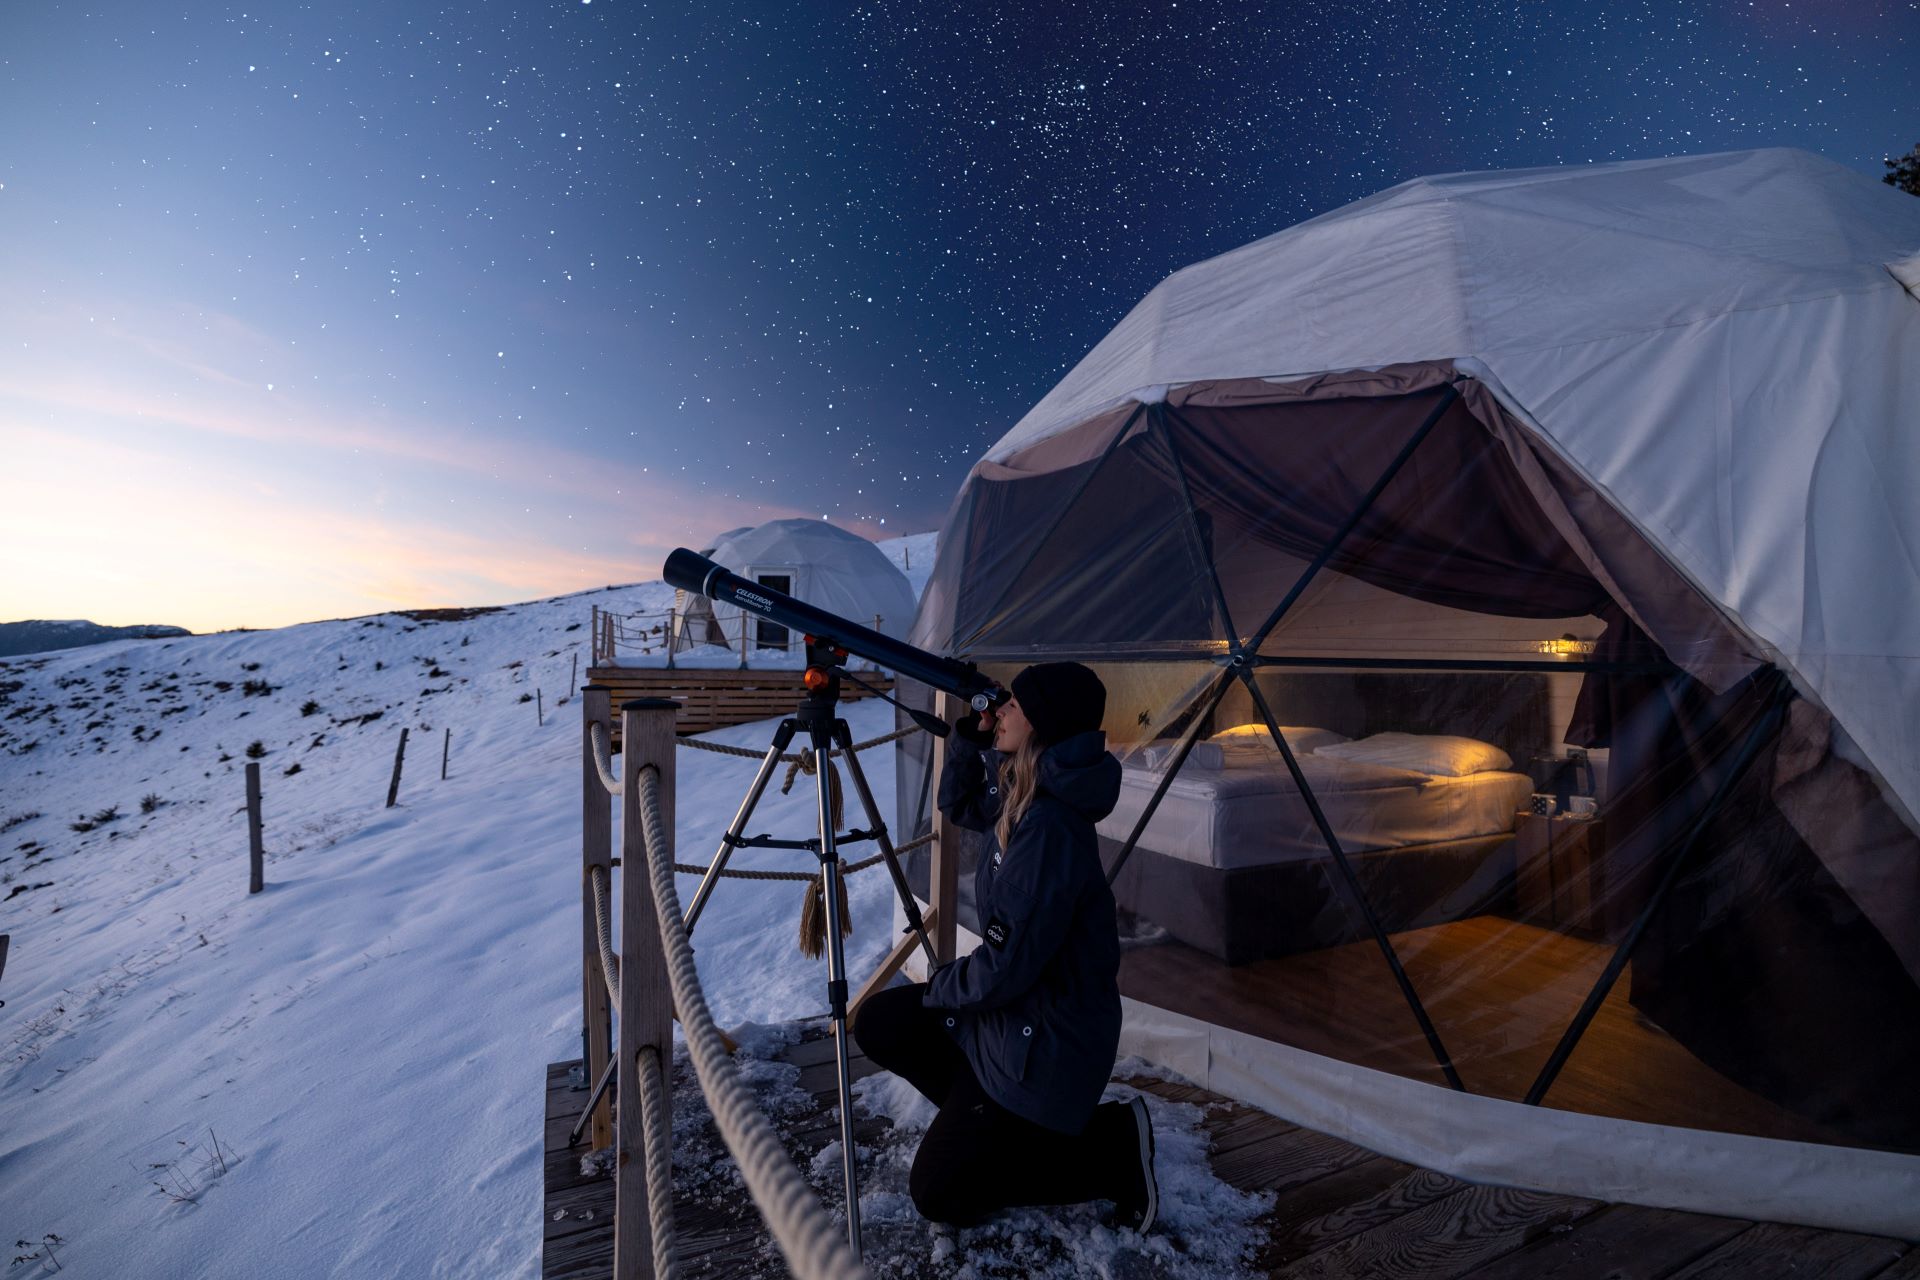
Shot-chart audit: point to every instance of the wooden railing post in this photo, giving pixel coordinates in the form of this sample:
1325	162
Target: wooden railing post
944	877
673	617
646	1005
596	850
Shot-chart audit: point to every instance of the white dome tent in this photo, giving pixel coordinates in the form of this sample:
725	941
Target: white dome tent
1508	591
810	560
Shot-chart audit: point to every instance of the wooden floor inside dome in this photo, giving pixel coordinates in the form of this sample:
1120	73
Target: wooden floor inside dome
1498	992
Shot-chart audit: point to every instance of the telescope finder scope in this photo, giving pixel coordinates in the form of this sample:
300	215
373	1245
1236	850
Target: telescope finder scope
691	571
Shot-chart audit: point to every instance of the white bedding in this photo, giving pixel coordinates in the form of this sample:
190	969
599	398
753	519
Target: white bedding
1250	814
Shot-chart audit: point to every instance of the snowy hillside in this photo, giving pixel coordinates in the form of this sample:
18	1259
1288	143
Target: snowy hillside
341	1075
366	1038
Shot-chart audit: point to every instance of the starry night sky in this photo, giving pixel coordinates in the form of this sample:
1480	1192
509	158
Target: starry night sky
323	309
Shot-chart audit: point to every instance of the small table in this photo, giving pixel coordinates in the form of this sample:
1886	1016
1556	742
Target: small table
1560	871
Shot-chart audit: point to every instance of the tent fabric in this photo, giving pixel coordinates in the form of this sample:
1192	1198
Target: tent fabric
1380	473
830	568
1490	1140
1719	345
1245	482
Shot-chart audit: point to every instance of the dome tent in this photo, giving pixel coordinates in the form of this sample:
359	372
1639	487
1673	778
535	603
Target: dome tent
810	560
1590	483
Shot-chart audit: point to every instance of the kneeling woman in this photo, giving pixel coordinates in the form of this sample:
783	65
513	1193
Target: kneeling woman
1015	1042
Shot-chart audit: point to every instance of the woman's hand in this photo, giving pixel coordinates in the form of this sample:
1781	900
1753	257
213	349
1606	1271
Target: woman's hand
977	727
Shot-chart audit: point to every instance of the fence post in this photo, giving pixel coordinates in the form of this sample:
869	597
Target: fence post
743	639
944	871
256	847
399	757
594	631
446	745
646	738
573	680
540	707
673	615
596	850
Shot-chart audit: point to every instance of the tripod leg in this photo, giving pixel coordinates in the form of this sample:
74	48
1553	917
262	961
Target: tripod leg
837	973
606	1078
878	826
781	738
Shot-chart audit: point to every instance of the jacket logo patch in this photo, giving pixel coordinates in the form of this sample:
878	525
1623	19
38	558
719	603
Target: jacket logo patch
997	932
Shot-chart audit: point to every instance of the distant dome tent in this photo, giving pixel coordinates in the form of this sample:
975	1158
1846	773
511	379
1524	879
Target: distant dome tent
1508	590
810	560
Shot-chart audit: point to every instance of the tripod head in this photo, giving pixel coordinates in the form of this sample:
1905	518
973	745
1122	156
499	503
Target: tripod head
829	633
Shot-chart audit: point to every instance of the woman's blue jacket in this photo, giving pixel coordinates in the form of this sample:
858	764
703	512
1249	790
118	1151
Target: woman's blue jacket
1036	1006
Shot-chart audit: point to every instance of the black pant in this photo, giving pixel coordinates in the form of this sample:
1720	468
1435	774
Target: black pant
977	1156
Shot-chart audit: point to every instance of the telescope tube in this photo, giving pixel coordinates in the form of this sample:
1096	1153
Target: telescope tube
691	571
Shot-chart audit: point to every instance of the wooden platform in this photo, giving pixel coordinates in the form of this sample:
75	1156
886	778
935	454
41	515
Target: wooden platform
714	699
1499	993
1340	1211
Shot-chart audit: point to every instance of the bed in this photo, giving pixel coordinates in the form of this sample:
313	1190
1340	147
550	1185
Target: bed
1233	863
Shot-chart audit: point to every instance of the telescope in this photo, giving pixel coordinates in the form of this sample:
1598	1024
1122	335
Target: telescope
830	638
691	571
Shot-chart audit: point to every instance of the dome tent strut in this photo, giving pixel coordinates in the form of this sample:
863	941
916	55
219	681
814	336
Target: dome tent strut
1238	664
1763	731
1352	880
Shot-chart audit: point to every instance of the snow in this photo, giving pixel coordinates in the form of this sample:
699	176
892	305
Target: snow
344	1072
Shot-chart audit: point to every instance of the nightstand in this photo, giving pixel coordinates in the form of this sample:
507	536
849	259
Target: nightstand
1560	871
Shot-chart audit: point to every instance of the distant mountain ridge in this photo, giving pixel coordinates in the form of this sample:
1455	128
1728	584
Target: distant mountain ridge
44	636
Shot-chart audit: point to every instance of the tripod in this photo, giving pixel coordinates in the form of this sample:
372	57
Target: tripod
818	717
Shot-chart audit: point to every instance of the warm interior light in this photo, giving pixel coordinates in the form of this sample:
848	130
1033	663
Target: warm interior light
1567	647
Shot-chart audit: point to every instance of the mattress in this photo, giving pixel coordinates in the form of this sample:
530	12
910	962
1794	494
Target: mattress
1250	814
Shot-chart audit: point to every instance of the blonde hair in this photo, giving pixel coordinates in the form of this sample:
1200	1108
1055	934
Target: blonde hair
1019	780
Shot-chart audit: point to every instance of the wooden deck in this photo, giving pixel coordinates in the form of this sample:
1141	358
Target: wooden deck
1340	1211
712	698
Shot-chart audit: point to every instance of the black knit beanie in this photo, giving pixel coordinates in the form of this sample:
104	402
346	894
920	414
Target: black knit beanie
1060	699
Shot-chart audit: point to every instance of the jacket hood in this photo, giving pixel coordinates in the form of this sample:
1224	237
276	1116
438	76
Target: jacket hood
1080	772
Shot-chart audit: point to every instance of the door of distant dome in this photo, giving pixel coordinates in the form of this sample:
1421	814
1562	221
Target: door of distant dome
771	635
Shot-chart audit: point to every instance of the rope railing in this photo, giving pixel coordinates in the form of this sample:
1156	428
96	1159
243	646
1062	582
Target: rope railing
603	757
667	632
801	1226
609	962
656	1118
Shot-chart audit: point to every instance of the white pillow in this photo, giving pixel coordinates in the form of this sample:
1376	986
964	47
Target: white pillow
1440	754
1243	744
1302	738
